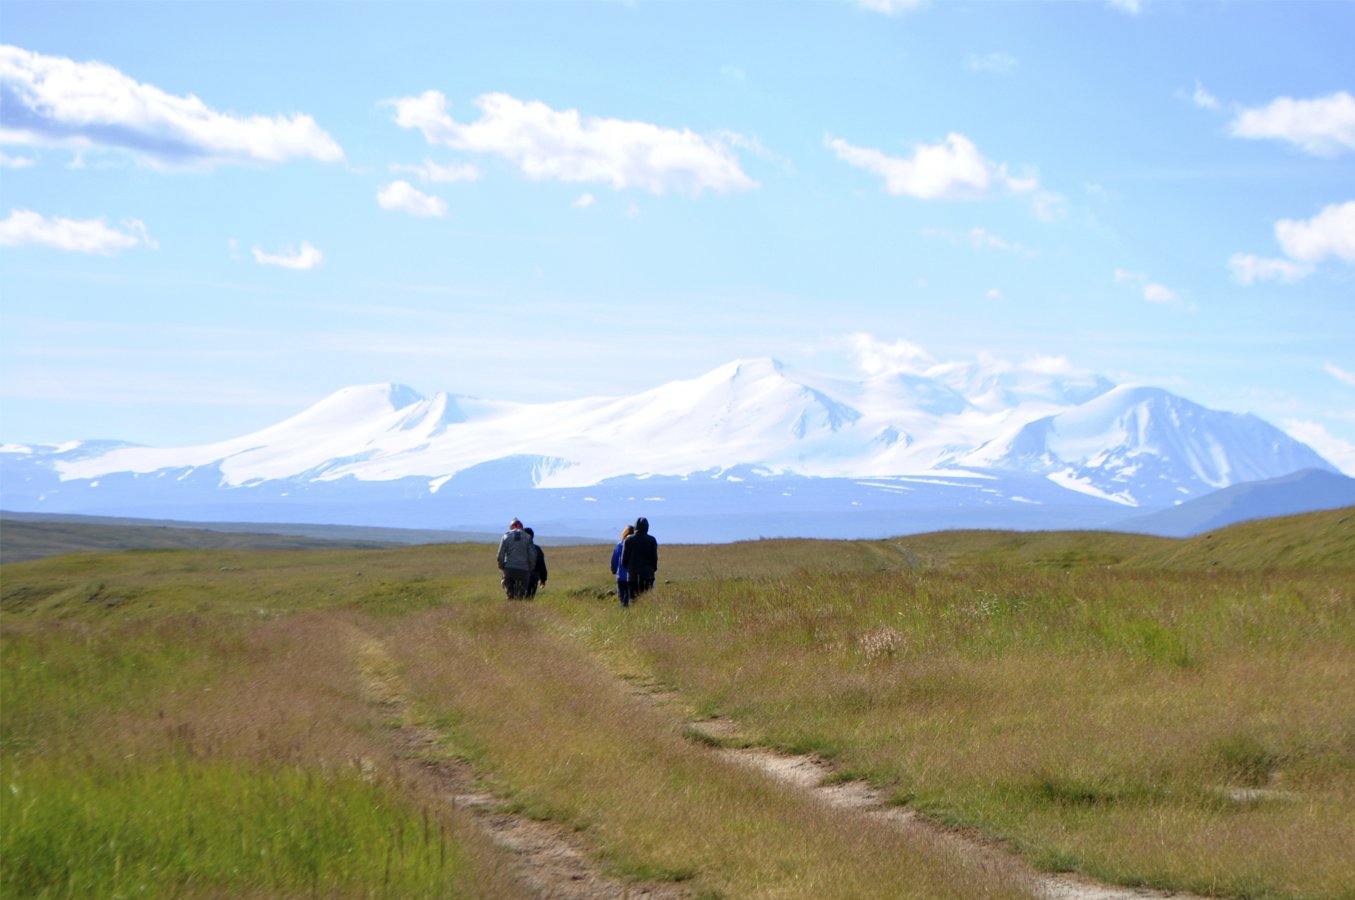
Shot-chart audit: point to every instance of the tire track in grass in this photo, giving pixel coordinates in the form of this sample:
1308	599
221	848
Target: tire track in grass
814	776
550	861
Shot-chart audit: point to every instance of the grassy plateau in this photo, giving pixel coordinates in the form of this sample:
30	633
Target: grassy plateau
1177	714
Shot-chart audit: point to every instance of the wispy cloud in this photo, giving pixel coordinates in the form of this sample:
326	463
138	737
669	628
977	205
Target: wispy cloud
439	174
1305	243
1203	99
891	7
584	201
980	238
401	196
1056	365
876	357
953	169
1337	451
1340	374
15	162
996	63
1129	7
563	145
305	258
1152	291
58	101
1324	126
1247	268
74	235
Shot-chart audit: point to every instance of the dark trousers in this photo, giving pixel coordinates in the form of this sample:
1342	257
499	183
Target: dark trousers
639	584
515	582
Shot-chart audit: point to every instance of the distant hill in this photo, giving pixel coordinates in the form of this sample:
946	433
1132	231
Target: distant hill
1307	490
37	535
1316	540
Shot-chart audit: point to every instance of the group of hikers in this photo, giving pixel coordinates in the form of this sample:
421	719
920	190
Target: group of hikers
635	561
521	561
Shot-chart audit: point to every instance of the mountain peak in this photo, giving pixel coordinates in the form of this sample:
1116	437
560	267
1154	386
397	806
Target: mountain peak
750	369
362	401
1136	445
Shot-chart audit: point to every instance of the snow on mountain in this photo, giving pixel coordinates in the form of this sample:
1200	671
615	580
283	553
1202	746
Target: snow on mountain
759	418
1142	446
995	386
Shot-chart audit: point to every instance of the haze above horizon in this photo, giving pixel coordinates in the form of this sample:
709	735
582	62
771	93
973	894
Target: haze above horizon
214	215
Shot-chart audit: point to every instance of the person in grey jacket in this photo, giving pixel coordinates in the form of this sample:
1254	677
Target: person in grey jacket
517	559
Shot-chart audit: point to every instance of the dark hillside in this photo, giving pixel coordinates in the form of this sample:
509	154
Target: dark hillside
24	540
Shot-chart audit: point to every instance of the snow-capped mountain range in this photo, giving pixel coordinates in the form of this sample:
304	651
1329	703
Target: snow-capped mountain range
956	435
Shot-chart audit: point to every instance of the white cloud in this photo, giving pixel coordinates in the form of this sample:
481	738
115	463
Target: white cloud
306	258
891	7
15	162
1152	292
875	357
1340	374
1248	269
1131	7
1157	293
584	201
951	170
994	294
58	101
733	73
75	235
1055	365
431	171
996	63
1329	233
402	196
1306	242
1323	127
1203	99
1335	450
979	238
549	144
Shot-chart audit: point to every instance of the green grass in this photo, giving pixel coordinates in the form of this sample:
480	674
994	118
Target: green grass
183	825
1094	718
1177	714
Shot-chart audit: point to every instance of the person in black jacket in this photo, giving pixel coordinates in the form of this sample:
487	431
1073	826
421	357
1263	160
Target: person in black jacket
538	576
640	557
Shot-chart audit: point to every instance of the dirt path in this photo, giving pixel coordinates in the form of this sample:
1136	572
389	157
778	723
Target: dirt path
551	861
554	862
810	774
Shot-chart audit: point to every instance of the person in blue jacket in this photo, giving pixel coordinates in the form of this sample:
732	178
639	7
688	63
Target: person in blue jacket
622	579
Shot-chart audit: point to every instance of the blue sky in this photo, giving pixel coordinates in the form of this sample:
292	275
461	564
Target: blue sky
215	214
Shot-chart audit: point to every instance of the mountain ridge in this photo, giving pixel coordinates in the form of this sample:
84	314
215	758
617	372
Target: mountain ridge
950	437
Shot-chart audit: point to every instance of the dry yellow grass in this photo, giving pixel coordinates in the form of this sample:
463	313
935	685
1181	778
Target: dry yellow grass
1068	695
